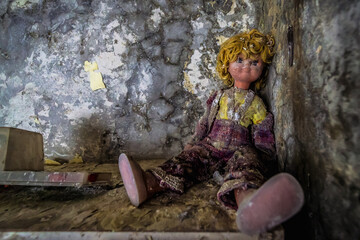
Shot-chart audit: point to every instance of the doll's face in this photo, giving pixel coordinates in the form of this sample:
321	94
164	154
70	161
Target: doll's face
245	71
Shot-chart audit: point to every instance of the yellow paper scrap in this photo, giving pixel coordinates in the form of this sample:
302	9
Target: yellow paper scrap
76	159
89	67
51	162
96	80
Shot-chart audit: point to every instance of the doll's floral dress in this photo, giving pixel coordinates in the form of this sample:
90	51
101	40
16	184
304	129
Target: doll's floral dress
234	137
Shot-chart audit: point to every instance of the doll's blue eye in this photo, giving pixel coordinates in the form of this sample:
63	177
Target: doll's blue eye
239	60
254	63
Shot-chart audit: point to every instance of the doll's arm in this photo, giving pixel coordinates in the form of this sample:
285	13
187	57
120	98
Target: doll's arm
263	136
202	126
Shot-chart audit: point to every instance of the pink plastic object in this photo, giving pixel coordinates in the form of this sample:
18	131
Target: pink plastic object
57	179
280	198
133	179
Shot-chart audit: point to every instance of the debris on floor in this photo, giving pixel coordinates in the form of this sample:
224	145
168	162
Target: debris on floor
107	208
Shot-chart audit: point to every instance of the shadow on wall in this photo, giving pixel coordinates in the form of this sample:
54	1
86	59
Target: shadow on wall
90	140
316	105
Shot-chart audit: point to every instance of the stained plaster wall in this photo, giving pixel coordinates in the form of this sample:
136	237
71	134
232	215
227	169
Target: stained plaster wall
316	107
157	59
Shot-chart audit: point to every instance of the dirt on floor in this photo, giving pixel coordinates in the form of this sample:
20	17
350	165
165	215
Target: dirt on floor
107	208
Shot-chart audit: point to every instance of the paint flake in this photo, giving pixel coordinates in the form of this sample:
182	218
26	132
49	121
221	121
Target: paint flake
96	80
233	6
156	16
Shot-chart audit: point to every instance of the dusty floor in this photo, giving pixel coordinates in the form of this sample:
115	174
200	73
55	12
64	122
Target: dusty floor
108	209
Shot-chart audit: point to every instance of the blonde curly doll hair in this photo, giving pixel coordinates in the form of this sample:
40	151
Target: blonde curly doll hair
252	44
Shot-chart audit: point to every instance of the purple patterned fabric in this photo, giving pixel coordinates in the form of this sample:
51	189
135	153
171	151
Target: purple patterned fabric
263	137
228	134
204	124
224	146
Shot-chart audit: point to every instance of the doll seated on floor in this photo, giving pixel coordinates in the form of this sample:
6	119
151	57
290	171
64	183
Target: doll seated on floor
235	138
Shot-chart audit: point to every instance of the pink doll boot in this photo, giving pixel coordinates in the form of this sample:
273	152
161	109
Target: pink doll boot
277	200
139	185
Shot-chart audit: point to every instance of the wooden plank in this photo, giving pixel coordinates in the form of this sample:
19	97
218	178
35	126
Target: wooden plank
21	150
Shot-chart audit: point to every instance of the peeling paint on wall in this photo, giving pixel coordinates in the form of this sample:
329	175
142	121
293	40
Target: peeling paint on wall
157	60
316	108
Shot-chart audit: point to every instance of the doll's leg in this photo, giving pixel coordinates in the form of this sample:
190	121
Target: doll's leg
139	185
242	195
193	165
277	200
183	170
260	205
244	172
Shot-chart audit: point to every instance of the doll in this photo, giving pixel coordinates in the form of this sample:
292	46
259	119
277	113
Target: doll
235	138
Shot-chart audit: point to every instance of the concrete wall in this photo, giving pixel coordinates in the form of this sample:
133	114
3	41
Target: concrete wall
157	59
317	110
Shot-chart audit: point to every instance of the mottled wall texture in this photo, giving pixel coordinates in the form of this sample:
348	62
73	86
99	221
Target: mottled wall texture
317	108
157	59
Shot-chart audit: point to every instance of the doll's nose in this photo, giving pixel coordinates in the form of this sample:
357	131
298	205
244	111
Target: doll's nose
246	66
